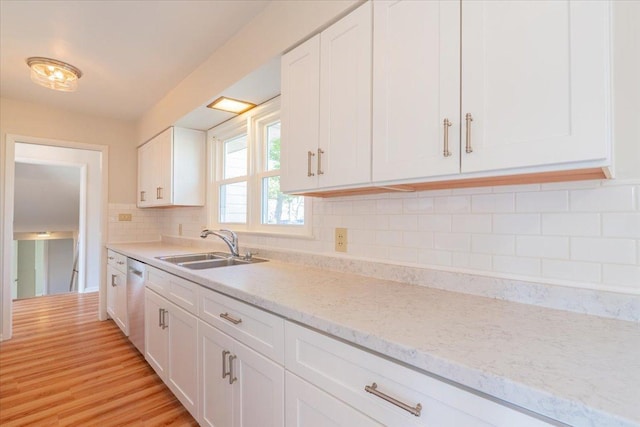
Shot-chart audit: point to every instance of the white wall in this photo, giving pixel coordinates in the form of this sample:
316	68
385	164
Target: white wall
35	120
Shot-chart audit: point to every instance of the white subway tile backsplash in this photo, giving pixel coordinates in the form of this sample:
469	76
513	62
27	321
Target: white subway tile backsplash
588	272
622	275
434	222
471	260
418	239
434	257
471	223
516	265
543	247
516	224
452	204
403	222
544	201
621	225
615	251
604	199
493	244
504	202
583	232
571	224
452	241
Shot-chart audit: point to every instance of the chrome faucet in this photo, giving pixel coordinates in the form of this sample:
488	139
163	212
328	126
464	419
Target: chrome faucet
231	239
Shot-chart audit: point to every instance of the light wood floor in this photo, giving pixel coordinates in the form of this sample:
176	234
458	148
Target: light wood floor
63	367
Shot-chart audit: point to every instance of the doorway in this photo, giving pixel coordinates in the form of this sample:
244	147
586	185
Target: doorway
92	225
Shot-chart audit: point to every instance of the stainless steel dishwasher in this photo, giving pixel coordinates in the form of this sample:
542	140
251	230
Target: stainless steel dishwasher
136	272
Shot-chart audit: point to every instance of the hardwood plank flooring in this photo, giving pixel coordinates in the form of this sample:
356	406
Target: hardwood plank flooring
63	367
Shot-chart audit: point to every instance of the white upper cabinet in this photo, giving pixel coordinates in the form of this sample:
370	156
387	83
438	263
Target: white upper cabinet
535	79
532	94
171	169
326	107
416	86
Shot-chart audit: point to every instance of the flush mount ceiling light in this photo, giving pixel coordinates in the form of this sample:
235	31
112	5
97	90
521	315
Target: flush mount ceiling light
231	105
54	74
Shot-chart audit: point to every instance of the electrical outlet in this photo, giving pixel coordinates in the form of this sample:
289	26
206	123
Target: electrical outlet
341	240
124	217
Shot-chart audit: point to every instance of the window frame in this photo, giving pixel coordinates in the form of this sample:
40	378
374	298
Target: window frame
254	123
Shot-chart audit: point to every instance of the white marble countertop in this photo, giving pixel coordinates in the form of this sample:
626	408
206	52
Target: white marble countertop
578	369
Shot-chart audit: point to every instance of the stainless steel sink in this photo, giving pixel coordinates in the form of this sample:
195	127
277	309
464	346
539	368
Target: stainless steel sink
209	260
177	259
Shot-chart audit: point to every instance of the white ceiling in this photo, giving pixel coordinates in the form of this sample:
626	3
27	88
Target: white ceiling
132	53
47	197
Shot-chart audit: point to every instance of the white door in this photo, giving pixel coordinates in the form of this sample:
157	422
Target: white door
182	328
155	337
26	269
534	82
259	390
308	406
145	177
300	89
345	101
216	397
416	87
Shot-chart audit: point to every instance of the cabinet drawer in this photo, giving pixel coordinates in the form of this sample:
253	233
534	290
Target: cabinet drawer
344	371
117	261
258	329
183	293
157	280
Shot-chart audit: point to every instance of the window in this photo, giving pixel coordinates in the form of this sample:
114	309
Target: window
246	176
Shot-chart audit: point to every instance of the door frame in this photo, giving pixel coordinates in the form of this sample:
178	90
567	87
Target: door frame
6	214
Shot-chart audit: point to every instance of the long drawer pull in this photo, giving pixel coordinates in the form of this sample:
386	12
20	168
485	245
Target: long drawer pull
230	318
225	353
373	389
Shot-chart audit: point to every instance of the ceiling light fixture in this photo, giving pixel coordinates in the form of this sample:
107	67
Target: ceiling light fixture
54	74
231	105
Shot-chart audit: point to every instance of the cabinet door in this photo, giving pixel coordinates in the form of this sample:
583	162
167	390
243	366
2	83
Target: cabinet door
163	163
146	192
155	337
112	286
416	86
345	101
122	315
182	328
216	398
534	79
308	406
259	390
300	83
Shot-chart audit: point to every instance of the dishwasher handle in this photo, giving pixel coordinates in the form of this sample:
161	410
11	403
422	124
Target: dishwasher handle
136	272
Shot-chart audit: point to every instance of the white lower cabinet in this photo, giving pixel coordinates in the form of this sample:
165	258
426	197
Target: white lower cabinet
238	386
387	392
308	406
171	340
117	290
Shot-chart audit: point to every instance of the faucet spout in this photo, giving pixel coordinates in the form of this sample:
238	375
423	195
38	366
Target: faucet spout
227	236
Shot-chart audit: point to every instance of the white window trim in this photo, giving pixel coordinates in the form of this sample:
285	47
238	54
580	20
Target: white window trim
252	122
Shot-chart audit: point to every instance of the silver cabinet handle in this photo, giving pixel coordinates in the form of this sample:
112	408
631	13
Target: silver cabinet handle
230	318
373	389
310	154
232	379
160	193
447	125
113	280
160	317
225	353
111	257
142	196
320	153
468	118
121	262
164	319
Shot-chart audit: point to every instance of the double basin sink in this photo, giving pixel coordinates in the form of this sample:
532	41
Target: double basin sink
207	260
